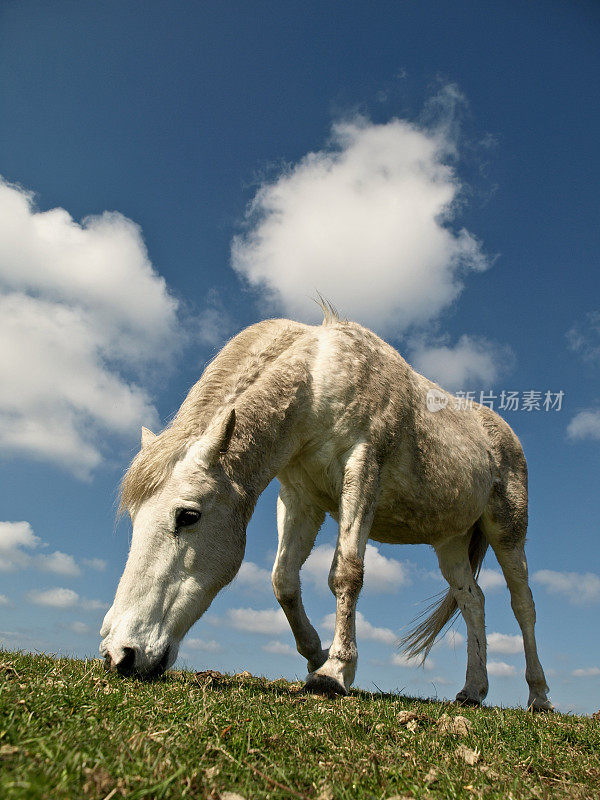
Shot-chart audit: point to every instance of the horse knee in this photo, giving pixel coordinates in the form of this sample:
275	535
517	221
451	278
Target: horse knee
285	586
346	576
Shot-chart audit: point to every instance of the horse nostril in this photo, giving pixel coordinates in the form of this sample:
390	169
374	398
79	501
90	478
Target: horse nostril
164	660
126	664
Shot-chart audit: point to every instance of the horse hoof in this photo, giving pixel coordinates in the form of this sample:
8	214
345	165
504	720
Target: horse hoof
463	699
539	706
323	684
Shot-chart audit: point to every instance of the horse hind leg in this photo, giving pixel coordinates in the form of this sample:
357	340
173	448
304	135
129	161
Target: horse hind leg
505	528
453	558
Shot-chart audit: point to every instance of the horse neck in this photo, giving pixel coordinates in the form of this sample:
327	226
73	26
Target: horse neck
266	440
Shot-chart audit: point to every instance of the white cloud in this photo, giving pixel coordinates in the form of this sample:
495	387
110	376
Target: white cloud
584	337
500	669
63	598
585	425
206	646
453	639
80	628
440	680
504	643
364	629
588	672
580	588
55	598
15	539
280	649
59	563
400	660
213	325
99	564
367	222
79	303
382	574
490	579
251	620
253	577
434	575
93	605
471	362
317	565
4	601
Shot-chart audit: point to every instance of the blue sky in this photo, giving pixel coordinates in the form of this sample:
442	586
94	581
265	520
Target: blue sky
153	127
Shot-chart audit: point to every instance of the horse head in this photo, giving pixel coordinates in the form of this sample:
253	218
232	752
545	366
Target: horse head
188	542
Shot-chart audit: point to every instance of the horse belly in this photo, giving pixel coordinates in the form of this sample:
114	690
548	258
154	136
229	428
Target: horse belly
423	508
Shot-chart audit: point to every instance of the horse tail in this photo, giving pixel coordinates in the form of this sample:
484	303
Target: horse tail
422	637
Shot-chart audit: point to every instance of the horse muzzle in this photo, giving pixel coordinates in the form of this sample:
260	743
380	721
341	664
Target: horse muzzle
130	662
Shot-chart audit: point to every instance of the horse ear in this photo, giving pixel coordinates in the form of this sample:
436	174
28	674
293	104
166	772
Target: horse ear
147	437
216	440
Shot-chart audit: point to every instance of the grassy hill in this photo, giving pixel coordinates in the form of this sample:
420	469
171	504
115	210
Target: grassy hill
70	730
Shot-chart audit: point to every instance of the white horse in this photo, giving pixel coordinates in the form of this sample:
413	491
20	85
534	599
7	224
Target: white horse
341	419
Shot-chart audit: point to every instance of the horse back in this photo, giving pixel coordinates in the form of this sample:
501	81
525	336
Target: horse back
437	468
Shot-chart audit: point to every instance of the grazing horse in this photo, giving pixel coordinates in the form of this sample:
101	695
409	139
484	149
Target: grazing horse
343	422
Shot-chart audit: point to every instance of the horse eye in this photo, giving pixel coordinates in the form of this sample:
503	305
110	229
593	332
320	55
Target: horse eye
186	517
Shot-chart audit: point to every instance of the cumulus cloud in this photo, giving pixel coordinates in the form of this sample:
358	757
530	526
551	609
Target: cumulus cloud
81	311
400	660
453	639
205	645
579	588
504	643
382	574
368	222
490	579
251	576
63	598
214	324
587	672
280	649
59	563
80	628
56	598
4	601
471	362
585	425
99	564
15	539
584	337
364	629
317	565
267	621
500	669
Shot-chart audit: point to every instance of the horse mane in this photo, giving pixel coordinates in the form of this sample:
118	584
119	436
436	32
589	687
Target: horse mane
330	314
238	366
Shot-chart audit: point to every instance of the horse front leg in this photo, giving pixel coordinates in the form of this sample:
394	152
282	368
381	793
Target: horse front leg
297	524
357	506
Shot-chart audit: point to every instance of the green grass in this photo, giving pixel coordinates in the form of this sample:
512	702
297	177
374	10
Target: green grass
70	730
